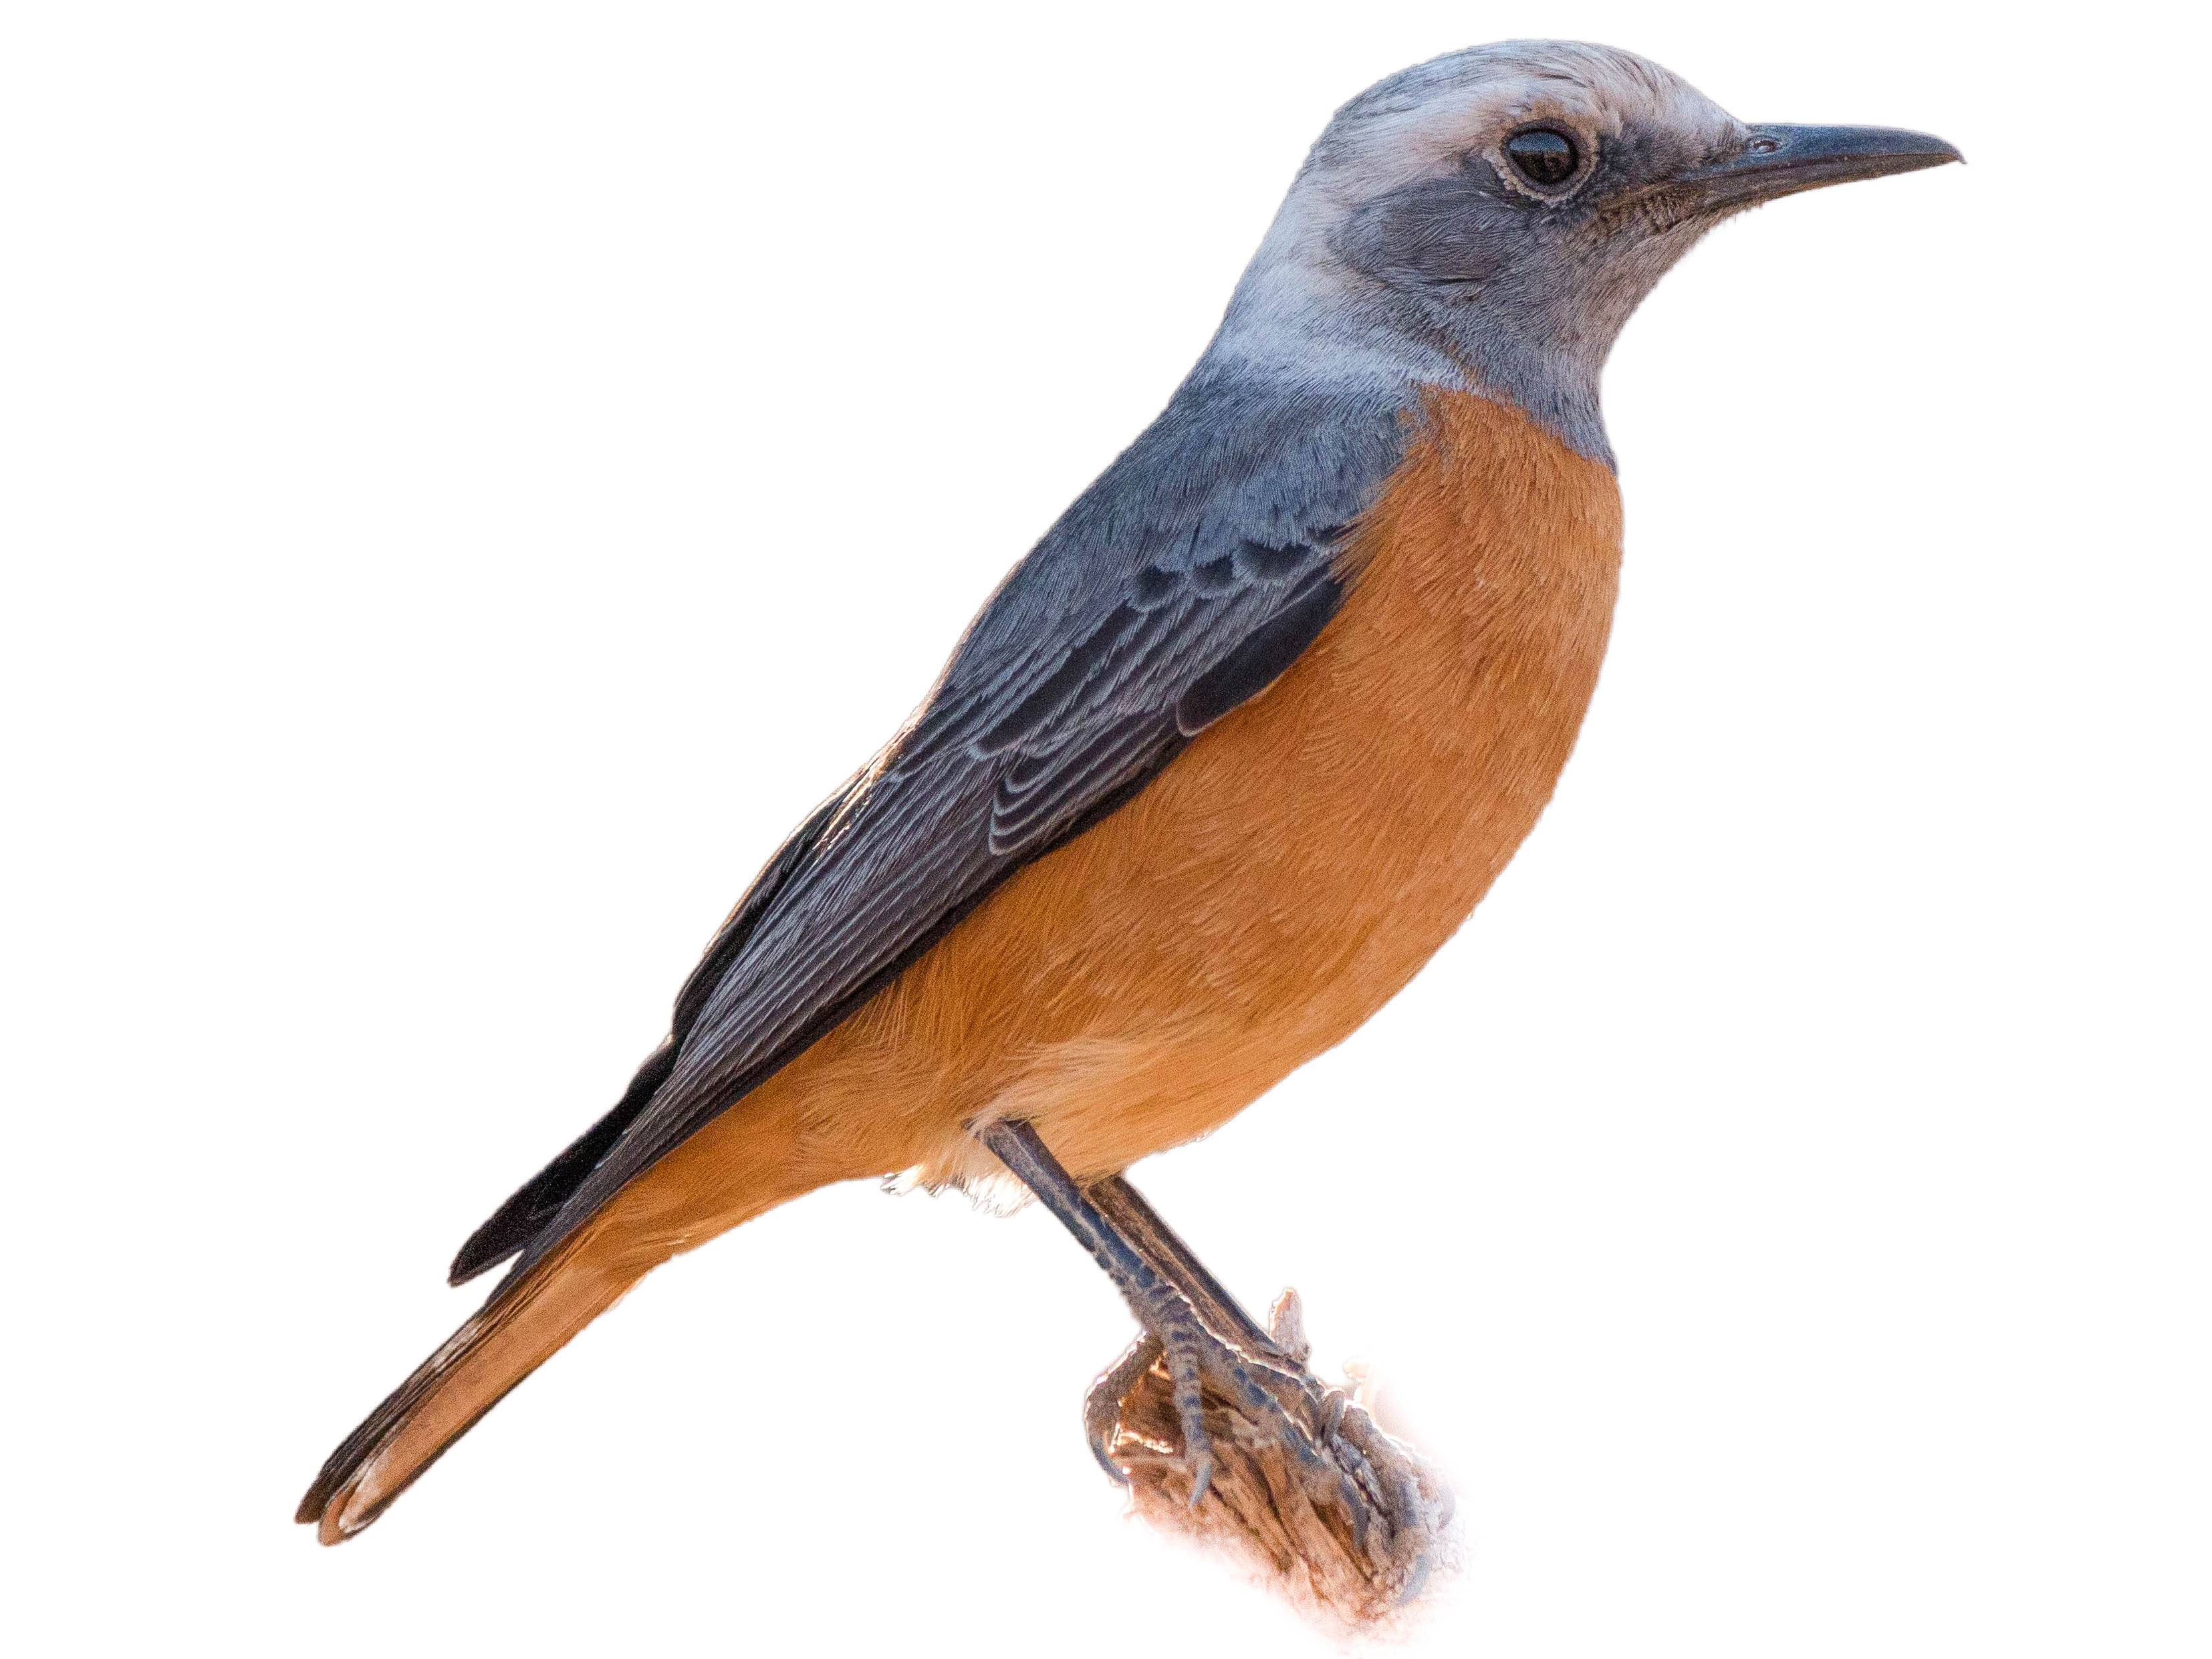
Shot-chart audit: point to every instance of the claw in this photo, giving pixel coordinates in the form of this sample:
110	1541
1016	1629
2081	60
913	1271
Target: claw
1201	1475
1102	1406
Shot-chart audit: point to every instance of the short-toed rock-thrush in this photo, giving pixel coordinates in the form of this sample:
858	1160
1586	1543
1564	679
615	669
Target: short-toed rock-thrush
1225	758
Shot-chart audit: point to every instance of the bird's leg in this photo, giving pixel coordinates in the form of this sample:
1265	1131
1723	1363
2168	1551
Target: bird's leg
1280	1350
1293	1468
1124	1206
1283	1344
1202	1335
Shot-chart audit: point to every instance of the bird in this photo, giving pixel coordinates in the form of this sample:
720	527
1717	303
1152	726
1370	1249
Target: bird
1223	761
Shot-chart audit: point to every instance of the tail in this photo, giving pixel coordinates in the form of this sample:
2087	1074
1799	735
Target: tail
524	1324
740	1165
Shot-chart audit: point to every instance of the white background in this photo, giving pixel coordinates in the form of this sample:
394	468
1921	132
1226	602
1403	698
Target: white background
472	477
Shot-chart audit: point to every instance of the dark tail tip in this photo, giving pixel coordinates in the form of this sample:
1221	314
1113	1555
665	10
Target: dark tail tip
498	1240
355	1451
329	1495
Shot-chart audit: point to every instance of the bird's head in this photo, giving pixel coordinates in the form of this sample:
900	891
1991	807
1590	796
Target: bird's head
1507	207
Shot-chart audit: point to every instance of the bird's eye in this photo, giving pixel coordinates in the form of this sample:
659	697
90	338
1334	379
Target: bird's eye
1544	157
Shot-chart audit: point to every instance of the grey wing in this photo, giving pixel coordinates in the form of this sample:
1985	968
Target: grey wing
1126	633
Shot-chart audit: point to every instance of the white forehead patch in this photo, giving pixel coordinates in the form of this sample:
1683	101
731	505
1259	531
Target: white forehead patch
1425	118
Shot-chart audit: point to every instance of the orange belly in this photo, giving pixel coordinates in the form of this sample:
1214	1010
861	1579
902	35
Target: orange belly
1280	881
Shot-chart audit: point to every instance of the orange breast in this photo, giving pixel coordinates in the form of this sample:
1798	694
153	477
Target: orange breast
1302	859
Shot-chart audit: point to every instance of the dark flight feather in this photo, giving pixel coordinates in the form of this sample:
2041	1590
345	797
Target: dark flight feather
539	1199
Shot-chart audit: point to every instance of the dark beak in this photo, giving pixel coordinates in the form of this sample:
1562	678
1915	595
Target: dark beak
1781	161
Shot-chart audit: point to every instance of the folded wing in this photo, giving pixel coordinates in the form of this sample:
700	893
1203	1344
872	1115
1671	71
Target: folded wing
1183	583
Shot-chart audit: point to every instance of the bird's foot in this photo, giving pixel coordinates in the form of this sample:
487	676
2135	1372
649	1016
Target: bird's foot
1266	1383
1242	1441
1213	1420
